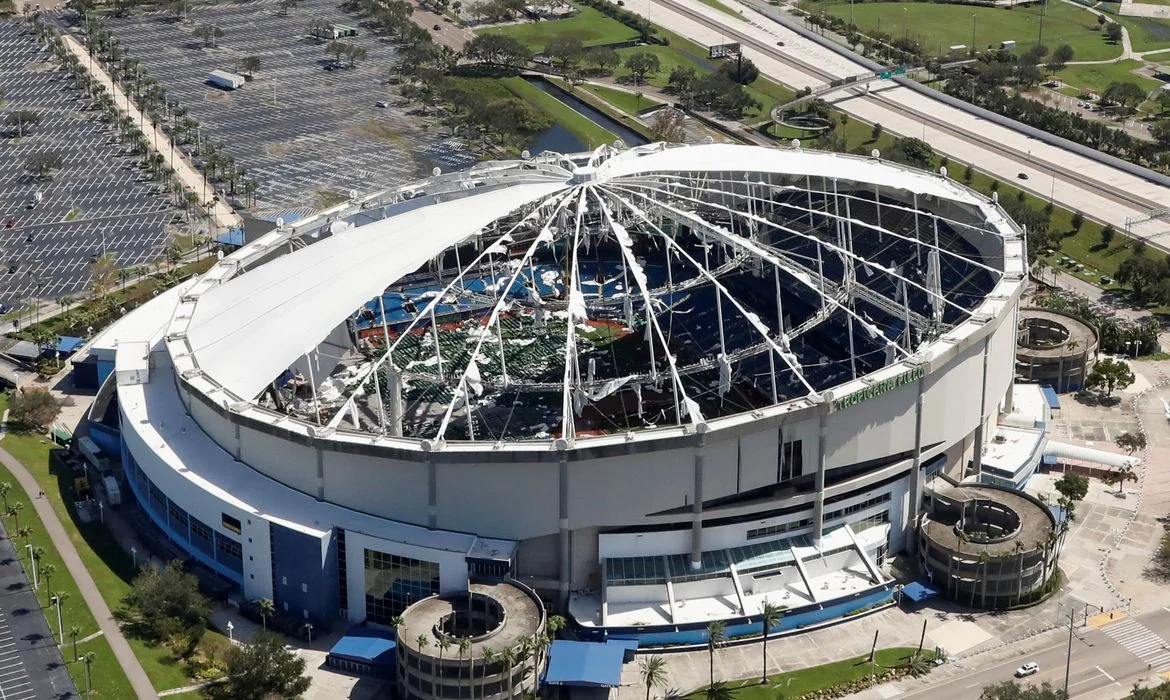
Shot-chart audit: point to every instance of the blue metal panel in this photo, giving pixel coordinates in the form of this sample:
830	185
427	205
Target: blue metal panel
106	438
305	576
104	368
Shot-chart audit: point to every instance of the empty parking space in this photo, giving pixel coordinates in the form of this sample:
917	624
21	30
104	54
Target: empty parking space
306	134
15	683
98	201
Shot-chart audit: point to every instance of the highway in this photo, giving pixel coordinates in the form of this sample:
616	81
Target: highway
1105	662
1099	191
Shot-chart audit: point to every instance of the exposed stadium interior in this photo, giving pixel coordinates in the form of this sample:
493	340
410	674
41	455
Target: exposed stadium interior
656	385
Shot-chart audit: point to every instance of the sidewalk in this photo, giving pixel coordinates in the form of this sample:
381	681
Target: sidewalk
225	217
89	592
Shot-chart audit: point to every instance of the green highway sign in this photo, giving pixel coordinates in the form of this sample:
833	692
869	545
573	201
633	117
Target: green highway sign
884	75
899	71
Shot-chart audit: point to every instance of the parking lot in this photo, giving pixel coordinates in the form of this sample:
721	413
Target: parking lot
94	203
31	666
306	134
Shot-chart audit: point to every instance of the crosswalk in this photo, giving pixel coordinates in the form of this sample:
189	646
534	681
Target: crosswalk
1142	643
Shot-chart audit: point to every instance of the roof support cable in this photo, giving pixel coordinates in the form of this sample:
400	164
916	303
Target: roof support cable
753	320
799	275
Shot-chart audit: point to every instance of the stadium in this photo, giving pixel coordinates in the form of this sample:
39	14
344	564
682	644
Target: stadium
658	386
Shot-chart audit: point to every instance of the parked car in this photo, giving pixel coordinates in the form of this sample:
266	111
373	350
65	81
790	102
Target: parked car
381	103
1027	669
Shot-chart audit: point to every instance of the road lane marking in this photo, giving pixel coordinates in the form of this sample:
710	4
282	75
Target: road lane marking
1103	673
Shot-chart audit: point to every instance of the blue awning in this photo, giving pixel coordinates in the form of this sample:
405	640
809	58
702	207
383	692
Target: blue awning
919	592
585	664
365	646
628	647
68	343
1051	397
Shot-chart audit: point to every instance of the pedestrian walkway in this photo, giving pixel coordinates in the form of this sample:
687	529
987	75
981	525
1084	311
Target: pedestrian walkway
225	217
1140	641
85	583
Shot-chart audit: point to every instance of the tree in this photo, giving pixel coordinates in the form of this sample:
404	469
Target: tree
741	70
914	152
720	691
47	571
565	53
770	615
167	603
716	638
1060	57
1131	442
1012	690
1128	95
43	164
1109	375
605	58
263	668
669	125
876	132
1073	488
1113	32
209	33
5	489
354	53
497	50
642	65
267	608
653	671
33	409
250	64
1078	220
89	658
179	7
102	271
73	634
23	120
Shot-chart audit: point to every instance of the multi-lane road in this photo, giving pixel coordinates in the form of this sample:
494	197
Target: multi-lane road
1105	662
1101	192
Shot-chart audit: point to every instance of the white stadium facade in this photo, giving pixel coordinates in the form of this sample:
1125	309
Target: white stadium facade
657	385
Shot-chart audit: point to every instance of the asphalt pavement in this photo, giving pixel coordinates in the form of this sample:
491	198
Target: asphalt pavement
31	667
1105	662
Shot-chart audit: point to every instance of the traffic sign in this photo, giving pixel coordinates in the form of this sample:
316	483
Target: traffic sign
884	75
899	71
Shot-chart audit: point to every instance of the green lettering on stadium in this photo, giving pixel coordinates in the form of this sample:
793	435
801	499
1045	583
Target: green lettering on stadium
879	388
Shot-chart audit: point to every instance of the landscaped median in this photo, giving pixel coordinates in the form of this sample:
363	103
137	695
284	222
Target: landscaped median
112	571
832	680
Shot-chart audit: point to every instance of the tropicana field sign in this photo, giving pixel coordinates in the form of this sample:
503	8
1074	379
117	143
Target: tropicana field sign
879	388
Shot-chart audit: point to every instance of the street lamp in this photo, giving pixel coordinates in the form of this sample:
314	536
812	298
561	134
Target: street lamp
309	629
60	630
32	557
134	556
231	628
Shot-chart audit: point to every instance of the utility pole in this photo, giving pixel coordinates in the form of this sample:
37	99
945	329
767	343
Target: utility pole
1068	657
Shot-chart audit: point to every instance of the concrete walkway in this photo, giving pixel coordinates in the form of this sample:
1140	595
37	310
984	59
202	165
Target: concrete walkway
224	216
85	583
1126	45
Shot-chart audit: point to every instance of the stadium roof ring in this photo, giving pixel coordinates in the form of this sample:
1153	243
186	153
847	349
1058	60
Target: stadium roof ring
633	293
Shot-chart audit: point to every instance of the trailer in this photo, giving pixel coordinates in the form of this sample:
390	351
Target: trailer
226	80
113	491
93	454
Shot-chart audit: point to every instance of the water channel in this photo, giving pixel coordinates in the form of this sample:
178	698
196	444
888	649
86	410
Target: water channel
559	139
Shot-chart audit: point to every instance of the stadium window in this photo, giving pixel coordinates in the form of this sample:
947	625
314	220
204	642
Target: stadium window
232	524
790	460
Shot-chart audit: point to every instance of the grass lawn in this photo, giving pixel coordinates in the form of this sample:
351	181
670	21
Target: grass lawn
938	26
810	680
1097	77
589	26
111	568
722	8
628	102
1147	33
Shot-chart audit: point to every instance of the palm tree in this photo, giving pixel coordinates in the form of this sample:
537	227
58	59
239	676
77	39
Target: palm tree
47	572
444	644
464	647
73	632
25	532
508	657
489	657
716	638
88	659
4	489
423	642
14	513
719	691
653	670
771	614
267	608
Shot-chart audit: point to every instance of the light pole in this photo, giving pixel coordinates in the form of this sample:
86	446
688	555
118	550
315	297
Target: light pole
973	19
231	628
32	557
309	629
60	631
1068	657
134	556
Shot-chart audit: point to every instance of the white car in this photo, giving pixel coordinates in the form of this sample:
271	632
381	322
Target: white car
1027	669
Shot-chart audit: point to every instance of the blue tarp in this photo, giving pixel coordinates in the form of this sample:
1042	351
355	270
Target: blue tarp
365	646
1051	397
585	664
919	592
68	343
